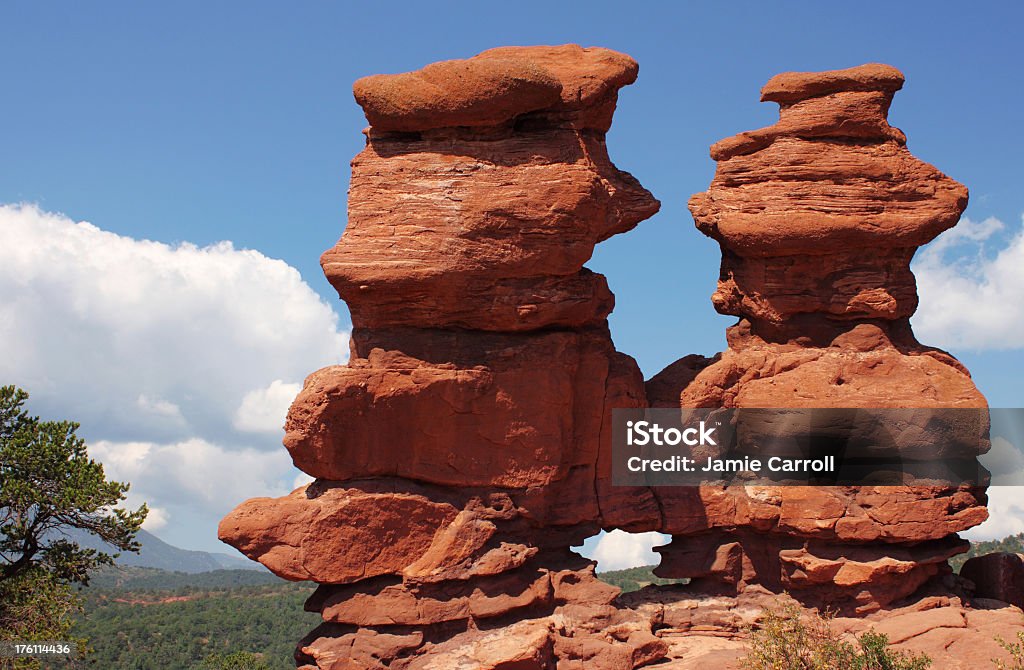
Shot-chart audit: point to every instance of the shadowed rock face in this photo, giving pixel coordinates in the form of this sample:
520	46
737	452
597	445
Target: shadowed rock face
818	217
465	447
998	576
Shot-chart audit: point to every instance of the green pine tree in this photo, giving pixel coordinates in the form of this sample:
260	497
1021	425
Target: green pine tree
49	485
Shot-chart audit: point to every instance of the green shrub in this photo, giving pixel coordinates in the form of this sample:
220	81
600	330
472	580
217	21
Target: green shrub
36	607
789	640
1016	650
239	660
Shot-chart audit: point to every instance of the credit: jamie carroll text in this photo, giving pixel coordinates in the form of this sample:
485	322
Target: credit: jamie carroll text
816	446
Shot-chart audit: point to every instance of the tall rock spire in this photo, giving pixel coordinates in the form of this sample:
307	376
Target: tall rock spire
819	214
818	217
458	454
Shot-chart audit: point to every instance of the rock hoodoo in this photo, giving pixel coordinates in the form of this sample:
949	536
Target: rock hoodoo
818	217
458	455
465	447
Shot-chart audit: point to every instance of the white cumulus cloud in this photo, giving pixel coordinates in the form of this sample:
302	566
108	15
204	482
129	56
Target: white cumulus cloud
140	340
301	480
971	299
156	519
194	472
264	410
1005	515
619	550
160	409
174	358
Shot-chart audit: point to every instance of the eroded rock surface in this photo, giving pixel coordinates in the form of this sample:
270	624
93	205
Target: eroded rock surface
818	217
483	188
705	629
465	447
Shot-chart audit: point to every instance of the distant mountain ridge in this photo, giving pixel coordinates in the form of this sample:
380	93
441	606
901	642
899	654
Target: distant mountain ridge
143	580
156	553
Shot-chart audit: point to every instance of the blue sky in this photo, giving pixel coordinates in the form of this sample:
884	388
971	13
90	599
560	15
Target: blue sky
204	122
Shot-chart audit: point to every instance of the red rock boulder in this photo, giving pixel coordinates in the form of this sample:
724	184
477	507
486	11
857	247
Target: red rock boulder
998	576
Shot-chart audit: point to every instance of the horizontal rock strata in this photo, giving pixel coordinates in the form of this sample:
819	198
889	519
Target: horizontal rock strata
464	447
818	217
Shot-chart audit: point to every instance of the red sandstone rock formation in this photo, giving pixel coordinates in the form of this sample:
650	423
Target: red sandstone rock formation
483	188
818	217
460	452
466	445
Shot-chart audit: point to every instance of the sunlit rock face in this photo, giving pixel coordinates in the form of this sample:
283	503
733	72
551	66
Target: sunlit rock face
463	449
483	188
466	446
818	217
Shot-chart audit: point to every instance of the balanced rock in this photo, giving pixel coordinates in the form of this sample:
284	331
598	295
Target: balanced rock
465	446
818	217
821	213
483	188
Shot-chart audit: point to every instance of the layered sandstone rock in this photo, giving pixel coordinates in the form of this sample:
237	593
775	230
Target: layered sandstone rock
463	449
483	188
466	446
818	217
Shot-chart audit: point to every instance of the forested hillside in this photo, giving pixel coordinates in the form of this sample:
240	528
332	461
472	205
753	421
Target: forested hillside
634	579
1013	544
145	620
150	619
129	578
